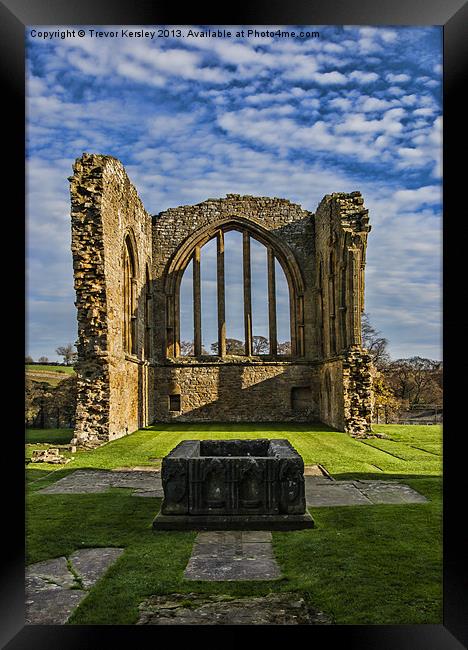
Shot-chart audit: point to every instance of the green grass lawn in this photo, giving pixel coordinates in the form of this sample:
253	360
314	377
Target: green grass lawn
407	450
362	564
49	436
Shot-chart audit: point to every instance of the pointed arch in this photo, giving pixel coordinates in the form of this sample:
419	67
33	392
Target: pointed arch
190	250
130	274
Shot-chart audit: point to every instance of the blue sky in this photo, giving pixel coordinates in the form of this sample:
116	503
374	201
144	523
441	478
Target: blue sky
359	108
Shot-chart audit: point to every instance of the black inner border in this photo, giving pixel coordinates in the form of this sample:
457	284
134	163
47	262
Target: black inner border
15	15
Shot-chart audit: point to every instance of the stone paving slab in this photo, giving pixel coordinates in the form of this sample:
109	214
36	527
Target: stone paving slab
380	492
154	494
55	587
232	555
235	551
92	563
231	536
54	571
84	481
334	493
52	606
320	490
356	493
198	609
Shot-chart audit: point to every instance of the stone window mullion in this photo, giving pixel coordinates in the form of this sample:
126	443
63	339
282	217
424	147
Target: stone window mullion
247	293
197	340
272	302
221	294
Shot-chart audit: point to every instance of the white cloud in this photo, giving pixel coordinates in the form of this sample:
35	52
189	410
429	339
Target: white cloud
413	199
330	78
423	111
363	77
388	36
370	104
397	78
395	90
263	117
409	100
342	103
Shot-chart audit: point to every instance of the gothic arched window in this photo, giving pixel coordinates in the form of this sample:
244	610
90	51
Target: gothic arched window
332	303
129	298
234	294
148	352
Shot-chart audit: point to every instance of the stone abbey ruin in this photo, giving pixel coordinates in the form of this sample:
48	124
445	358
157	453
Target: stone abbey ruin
128	267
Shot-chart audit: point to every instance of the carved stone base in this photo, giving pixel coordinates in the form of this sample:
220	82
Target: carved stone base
233	522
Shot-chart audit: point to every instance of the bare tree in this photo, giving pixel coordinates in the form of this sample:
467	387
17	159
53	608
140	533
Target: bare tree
28	359
284	347
67	352
375	344
43	360
186	348
417	380
233	346
260	345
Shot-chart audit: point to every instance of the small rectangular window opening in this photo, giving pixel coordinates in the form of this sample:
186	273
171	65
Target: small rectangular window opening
174	402
300	398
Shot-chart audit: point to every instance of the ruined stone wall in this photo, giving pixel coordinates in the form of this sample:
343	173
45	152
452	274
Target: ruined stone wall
341	229
237	392
105	208
346	393
119	391
331	394
357	392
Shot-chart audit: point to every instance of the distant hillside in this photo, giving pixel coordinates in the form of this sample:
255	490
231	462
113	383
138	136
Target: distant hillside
50	373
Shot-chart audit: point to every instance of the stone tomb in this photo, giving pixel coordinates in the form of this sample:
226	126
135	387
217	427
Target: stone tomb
233	485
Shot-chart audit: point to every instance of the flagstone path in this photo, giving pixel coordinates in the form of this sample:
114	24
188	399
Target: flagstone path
232	555
55	587
200	609
320	490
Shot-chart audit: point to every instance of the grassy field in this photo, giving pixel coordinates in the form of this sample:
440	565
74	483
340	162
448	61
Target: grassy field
52	375
33	367
406	450
362	564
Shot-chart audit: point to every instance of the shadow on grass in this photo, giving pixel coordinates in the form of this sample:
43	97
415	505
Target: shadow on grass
36	479
381	476
388	556
52	436
242	427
